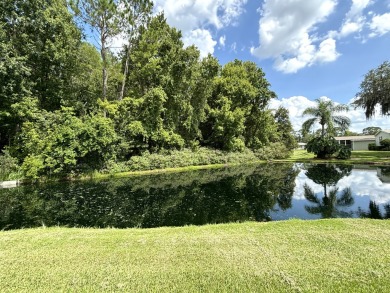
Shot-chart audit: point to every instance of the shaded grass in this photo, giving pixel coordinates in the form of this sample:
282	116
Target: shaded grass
350	255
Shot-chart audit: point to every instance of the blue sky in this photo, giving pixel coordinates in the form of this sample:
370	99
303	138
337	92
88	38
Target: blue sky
308	49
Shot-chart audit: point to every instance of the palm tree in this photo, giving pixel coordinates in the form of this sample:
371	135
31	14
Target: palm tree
324	114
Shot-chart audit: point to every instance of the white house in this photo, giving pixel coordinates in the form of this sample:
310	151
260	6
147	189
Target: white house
356	143
381	134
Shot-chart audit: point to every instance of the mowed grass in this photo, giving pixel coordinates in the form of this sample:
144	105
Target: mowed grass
349	255
363	157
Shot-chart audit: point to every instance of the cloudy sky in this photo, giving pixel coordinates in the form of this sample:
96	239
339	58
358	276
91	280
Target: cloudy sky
308	49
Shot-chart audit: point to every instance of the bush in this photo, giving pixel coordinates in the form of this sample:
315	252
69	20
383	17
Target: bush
372	146
323	147
276	150
344	153
187	157
385	143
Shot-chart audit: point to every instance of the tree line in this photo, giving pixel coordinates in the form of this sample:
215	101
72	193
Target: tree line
68	105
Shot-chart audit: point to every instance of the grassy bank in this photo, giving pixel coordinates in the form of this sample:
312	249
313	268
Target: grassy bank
357	157
310	256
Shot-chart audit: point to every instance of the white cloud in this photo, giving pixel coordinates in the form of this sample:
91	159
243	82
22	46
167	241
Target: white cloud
233	47
380	25
287	32
354	20
222	40
195	17
201	39
297	104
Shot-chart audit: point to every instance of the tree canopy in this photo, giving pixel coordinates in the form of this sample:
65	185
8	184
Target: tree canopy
375	90
68	105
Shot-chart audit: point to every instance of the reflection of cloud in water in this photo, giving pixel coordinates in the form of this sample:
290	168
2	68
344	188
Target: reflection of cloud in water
362	183
300	180
367	183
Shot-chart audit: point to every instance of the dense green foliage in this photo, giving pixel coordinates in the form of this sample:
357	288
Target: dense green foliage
385	143
375	90
67	108
344	153
327	146
9	168
323	147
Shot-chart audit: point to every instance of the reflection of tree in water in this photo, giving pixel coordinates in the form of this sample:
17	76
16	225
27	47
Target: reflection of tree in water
327	175
331	204
374	211
214	196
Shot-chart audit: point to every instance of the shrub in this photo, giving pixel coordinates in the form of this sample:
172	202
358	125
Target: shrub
344	153
323	147
187	157
372	146
385	143
276	150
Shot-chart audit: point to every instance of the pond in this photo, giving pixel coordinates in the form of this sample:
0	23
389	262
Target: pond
246	193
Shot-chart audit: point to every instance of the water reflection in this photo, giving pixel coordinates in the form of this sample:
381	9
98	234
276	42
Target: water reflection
259	193
374	211
216	196
333	202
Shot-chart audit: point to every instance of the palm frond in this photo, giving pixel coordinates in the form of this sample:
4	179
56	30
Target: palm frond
308	124
309	194
340	108
342	121
346	199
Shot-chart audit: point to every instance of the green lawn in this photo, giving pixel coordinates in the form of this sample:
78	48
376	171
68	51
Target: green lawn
362	157
308	256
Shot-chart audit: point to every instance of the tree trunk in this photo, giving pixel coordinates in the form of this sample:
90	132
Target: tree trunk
104	60
126	70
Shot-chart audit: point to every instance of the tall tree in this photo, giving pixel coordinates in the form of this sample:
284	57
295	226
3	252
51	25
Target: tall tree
375	90
324	114
134	15
158	60
284	128
238	116
102	16
39	42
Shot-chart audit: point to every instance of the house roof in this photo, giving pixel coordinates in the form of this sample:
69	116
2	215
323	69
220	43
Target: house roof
357	138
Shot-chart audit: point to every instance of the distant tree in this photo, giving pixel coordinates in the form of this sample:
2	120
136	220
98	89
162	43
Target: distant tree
324	114
284	128
375	90
372	130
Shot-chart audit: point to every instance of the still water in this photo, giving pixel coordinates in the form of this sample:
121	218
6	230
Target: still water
257	193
